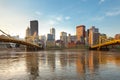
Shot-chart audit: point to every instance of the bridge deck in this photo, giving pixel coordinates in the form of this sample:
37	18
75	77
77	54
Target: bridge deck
12	40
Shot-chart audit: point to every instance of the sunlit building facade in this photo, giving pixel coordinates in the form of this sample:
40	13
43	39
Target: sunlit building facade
102	38
28	32
72	38
63	37
80	33
93	36
117	36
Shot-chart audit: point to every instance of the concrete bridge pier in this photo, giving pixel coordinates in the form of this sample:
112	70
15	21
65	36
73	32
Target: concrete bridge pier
29	48
105	48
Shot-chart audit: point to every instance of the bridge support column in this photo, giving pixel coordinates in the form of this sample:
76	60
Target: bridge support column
29	48
103	48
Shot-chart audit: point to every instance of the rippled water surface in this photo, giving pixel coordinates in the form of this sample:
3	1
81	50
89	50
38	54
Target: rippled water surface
60	65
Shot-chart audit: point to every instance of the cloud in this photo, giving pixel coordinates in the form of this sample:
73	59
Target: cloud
59	18
101	1
113	13
52	22
67	17
38	13
62	18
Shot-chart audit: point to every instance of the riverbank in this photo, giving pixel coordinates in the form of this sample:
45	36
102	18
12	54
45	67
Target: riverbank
10	49
64	48
52	49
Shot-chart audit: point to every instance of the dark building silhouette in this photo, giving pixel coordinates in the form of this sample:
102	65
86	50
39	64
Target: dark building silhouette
52	31
34	27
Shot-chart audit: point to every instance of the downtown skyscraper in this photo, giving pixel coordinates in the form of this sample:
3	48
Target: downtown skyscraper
52	31
34	27
80	33
93	36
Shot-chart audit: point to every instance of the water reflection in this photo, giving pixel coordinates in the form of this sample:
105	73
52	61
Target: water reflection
63	60
81	65
11	65
51	61
90	65
109	58
32	65
60	65
69	65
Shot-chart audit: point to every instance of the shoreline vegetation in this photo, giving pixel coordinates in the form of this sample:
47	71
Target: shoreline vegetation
14	49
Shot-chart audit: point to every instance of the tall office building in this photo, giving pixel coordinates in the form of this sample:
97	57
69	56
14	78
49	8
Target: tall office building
28	32
87	37
50	41
80	33
102	38
117	36
50	37
42	37
93	36
71	38
63	37
52	31
34	27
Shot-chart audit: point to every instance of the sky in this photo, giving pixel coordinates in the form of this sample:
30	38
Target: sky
63	15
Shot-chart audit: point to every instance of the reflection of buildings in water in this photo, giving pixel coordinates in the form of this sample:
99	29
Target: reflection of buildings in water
110	57
80	64
63	60
117	60
42	59
72	58
67	59
93	61
87	62
32	65
100	57
95	58
51	61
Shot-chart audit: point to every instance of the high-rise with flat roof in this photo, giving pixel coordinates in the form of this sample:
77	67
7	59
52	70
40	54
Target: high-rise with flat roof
80	33
52	31
117	36
63	37
50	37
34	27
28	32
93	36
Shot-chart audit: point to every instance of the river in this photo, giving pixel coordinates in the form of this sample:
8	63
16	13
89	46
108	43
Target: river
60	65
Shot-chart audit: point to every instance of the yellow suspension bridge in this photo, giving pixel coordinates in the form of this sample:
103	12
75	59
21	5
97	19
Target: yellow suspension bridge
104	45
29	46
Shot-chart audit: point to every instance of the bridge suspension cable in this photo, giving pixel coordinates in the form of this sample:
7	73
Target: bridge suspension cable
5	33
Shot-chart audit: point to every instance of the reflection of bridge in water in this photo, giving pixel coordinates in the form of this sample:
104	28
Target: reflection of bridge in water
29	45
104	46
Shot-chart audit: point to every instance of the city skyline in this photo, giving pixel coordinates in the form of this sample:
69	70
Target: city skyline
59	14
